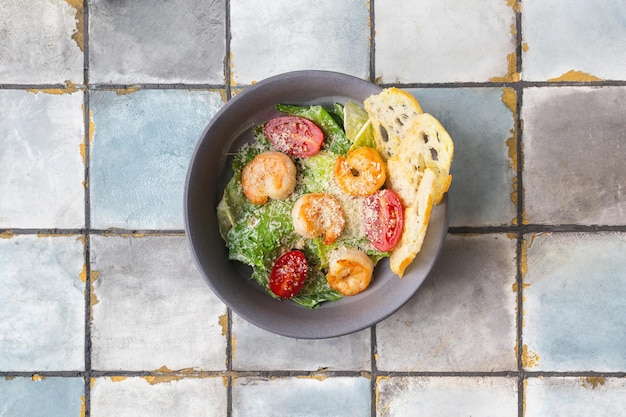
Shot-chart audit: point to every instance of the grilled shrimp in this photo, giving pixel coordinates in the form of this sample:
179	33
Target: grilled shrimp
361	172
349	271
268	175
318	214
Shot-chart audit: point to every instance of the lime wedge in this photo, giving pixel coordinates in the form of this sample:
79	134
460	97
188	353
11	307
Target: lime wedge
357	125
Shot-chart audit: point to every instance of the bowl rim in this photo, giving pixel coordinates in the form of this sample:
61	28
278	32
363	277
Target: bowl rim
266	312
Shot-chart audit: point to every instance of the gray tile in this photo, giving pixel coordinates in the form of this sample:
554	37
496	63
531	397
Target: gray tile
154	397
142	145
167	42
446	396
311	397
574	310
580	40
427	41
42	42
463	317
574	396
279	36
481	122
41	169
42	304
573	155
257	349
151	308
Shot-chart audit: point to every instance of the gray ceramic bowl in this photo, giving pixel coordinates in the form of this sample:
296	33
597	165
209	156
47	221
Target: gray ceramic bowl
209	171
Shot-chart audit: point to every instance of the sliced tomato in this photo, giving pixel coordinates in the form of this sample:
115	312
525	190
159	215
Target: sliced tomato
383	219
295	136
288	274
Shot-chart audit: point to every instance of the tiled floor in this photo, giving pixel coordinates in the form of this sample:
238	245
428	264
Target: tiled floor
103	313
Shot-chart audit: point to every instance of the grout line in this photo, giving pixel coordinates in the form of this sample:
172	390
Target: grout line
374	370
87	236
372	19
227	60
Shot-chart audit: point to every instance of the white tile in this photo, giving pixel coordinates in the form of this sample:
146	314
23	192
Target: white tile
443	40
42	304
447	397
269	38
139	397
41	169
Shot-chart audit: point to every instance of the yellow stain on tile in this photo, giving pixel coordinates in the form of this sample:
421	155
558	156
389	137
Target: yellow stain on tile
509	99
516	287
524	389
37	377
318	377
93	299
513	4
529	358
233	82
524	258
512	75
79	35
92	382
384	409
83	274
525	46
160	379
83	146
127	90
7	234
69	88
118	378
82	406
223	322
573	75
592	382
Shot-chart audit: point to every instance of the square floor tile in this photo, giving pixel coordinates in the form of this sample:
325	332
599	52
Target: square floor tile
574	293
279	36
311	397
150	396
42	42
258	349
574	396
42	304
151	308
446	396
142	146
42	397
574	155
41	170
481	124
444	40
574	41
462	319
167	42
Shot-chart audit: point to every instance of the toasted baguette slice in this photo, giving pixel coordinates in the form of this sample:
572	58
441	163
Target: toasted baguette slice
418	152
391	112
416	218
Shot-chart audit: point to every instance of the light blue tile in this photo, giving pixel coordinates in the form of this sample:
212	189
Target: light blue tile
447	397
564	36
574	307
42	304
575	396
282	35
41	170
142	146
167	42
43	397
573	155
463	317
258	349
151	308
481	126
40	42
311	397
148	397
429	41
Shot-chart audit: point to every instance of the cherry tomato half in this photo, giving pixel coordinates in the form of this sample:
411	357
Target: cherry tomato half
288	274
383	219
295	136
